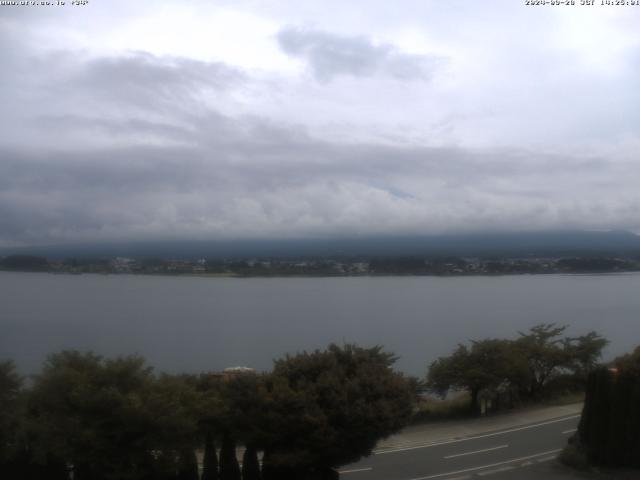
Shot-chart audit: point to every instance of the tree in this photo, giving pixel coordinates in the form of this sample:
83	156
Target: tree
107	417
229	468
545	353
250	464
188	465
610	422
328	408
11	419
584	353
25	263
485	366
527	364
629	363
210	459
548	355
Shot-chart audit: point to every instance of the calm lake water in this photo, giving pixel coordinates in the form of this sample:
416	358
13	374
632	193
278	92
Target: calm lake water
195	324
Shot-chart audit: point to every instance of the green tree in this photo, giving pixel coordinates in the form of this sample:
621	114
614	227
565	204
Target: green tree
584	353
328	408
13	456
549	355
108	417
629	363
187	465
250	464
210	459
484	366
229	467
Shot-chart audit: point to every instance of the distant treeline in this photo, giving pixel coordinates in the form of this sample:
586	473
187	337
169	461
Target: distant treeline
327	266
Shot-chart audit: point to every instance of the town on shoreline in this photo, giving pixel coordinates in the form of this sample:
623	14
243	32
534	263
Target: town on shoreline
327	266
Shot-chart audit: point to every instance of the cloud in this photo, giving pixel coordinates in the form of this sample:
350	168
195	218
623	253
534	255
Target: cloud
140	76
104	144
252	184
330	55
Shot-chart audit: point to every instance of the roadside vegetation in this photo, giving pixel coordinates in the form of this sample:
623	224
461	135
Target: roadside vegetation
608	435
101	418
107	419
539	366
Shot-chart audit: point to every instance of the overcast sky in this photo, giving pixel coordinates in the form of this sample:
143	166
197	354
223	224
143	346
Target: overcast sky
264	119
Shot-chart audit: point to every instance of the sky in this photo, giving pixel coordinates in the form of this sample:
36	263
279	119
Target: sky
154	120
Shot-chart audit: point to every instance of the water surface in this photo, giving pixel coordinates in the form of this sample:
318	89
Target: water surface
194	324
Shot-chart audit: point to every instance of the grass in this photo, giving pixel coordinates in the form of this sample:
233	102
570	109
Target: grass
457	407
431	409
565	399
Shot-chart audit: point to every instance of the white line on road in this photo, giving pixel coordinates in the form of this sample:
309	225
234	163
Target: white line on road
477	451
496	470
570	431
546	459
356	470
447	442
437	475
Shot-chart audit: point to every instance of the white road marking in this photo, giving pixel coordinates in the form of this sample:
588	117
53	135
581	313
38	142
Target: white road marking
495	470
356	470
546	459
482	467
486	435
477	451
570	431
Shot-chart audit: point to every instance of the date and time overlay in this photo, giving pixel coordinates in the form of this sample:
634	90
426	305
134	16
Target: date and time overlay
551	3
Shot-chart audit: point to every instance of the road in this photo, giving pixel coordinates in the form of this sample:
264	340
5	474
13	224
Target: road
476	456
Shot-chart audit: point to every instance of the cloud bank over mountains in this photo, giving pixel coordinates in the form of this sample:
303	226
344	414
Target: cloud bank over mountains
295	124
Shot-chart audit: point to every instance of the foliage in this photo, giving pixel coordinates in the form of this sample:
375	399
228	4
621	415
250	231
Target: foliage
210	459
24	263
229	467
610	422
106	417
484	366
629	363
250	464
188	465
430	410
530	366
335	403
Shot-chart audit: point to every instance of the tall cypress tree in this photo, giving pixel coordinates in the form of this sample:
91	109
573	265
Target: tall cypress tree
188	465
210	460
229	468
250	464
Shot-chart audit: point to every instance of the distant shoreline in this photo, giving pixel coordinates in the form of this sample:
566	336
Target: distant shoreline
303	275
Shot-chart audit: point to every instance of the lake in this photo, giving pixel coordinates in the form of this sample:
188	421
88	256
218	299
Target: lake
195	324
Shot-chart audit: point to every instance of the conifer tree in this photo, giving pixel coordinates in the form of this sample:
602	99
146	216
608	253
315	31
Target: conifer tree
229	468
188	466
250	464
210	460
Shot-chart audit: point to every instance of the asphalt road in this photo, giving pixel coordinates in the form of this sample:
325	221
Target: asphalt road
496	453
